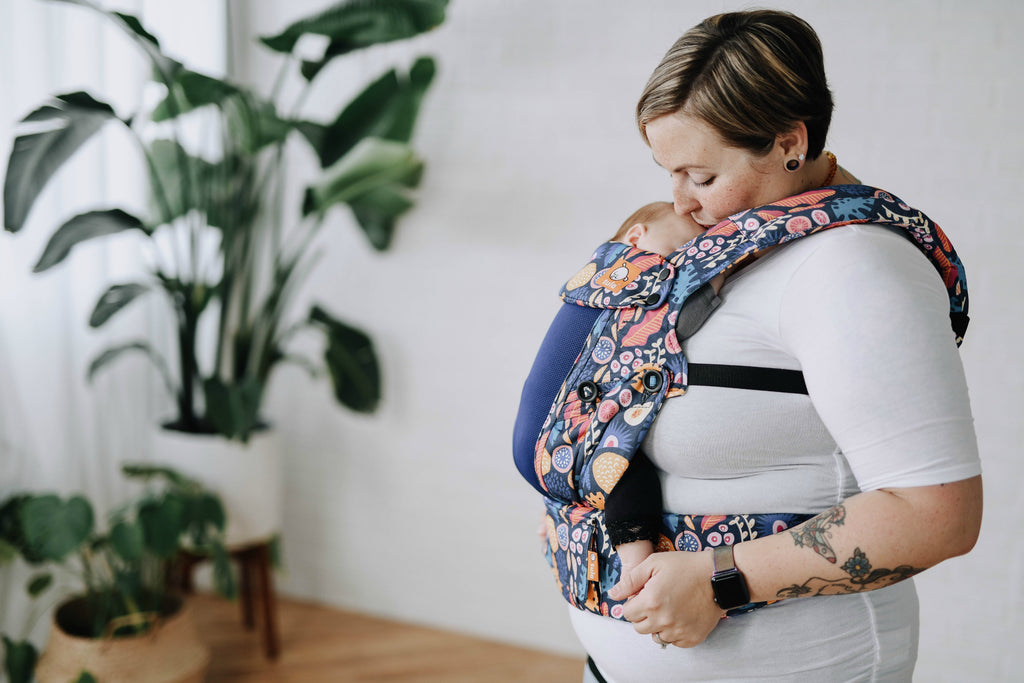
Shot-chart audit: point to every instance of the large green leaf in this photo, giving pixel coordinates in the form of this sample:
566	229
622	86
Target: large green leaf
192	90
377	211
19	660
85	226
60	128
164	65
352	362
8	551
249	120
387	109
162	524
108	355
222	190
54	528
147	472
210	511
253	123
114	299
355	24
233	409
38	584
126	538
407	108
204	517
12	538
372	164
373	179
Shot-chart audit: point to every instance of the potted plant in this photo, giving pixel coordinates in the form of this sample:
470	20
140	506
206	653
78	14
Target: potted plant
237	254
122	620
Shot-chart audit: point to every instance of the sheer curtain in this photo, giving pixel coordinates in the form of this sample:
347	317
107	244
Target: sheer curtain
57	432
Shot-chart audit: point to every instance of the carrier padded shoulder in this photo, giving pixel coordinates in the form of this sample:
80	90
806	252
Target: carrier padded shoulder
619	276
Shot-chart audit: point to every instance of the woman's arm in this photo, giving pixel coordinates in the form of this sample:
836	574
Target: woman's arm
870	541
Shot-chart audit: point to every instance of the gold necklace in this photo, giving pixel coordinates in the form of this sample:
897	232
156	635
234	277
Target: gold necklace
833	164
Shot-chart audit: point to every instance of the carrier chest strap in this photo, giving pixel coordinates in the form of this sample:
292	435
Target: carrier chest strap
746	377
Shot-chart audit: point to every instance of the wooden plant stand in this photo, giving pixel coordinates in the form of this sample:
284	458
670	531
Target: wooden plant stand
254	572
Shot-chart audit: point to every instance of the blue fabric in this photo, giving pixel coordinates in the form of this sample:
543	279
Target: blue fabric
562	344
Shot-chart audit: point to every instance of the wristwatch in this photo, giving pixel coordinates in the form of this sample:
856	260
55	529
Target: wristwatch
728	585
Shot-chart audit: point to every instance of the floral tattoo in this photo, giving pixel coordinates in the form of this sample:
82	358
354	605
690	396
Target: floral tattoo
816	532
862	577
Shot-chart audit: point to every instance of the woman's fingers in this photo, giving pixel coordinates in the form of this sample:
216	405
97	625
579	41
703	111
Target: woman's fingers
632	581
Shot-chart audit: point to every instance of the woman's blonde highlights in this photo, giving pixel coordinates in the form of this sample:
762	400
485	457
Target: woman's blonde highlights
751	76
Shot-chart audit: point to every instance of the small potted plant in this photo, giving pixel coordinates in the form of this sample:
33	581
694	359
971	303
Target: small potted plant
121	620
221	249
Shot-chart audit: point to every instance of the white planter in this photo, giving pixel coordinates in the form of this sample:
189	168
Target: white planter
246	476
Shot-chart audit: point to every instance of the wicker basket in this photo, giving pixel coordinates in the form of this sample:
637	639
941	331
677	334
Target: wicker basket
170	652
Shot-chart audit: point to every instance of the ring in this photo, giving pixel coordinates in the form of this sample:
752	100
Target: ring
659	641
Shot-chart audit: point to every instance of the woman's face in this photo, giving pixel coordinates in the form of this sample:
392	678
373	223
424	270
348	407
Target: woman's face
711	181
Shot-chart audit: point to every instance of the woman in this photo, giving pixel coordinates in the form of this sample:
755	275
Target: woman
737	114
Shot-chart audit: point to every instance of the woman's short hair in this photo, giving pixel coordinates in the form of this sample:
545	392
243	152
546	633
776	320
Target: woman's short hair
749	75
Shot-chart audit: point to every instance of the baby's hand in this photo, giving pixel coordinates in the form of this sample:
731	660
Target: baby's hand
632	554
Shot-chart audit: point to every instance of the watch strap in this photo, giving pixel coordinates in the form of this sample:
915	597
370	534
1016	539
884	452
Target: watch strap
723	559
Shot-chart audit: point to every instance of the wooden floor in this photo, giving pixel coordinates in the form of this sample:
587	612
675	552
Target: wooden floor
319	644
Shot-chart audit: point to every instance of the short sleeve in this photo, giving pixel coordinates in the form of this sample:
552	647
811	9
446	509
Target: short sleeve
867	316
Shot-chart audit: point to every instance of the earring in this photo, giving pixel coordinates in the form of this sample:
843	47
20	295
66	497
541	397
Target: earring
794	164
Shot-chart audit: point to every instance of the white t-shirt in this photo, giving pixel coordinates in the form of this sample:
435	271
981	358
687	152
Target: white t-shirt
863	313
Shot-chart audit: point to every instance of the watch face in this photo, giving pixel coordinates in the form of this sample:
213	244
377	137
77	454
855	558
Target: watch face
730	589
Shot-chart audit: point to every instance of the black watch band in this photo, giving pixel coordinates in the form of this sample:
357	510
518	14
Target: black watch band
727	583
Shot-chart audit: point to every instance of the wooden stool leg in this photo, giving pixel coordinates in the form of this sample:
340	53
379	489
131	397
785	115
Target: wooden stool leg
268	602
188	562
178	572
245	595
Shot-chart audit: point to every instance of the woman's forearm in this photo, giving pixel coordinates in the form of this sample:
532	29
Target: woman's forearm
869	541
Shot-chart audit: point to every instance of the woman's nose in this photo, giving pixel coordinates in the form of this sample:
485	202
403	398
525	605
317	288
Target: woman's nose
682	203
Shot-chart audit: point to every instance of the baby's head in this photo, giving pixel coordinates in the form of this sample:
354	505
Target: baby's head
657	228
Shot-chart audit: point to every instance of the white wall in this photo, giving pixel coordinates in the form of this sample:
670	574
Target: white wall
533	158
417	512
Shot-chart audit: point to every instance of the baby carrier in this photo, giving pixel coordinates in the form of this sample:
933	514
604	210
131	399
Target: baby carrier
632	361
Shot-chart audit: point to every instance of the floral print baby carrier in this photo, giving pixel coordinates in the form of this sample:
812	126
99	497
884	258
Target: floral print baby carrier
632	362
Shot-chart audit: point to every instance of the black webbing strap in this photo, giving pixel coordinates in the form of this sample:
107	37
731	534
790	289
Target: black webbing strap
592	665
746	377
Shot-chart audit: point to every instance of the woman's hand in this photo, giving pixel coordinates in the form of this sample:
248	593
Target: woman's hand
671	596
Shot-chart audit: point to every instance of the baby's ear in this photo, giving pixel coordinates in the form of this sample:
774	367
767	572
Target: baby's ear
635	233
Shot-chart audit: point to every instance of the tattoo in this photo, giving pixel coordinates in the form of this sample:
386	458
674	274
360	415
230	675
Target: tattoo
815	532
861	578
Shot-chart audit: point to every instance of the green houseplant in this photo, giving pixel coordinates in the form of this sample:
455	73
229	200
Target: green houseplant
248	281
122	568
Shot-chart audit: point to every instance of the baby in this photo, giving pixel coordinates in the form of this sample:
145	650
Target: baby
633	509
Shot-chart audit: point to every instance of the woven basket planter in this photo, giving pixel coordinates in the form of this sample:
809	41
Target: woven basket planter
170	652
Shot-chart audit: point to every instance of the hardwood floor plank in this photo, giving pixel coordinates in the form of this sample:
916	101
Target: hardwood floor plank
321	644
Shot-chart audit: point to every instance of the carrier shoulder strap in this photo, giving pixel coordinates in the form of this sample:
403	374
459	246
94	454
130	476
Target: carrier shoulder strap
697	308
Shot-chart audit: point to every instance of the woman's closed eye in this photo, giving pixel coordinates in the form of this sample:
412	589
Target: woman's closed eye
702	183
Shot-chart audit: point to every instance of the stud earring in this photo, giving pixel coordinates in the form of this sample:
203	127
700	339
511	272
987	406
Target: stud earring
795	164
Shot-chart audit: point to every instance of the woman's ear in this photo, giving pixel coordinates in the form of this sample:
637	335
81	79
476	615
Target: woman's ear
635	233
792	143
